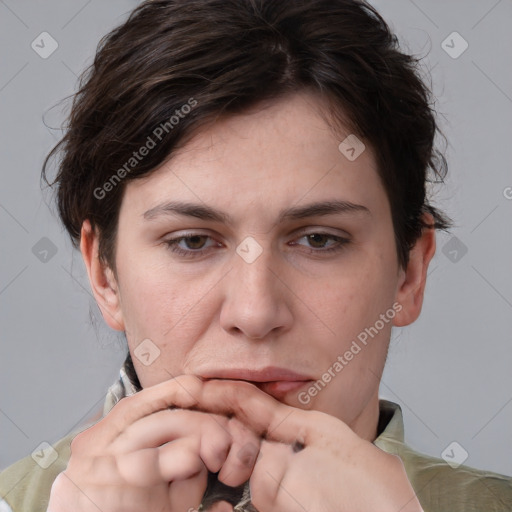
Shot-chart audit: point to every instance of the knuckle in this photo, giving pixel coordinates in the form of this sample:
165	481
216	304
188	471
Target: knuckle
248	454
219	451
78	443
396	462
59	484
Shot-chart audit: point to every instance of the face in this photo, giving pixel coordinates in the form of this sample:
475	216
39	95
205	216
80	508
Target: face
260	252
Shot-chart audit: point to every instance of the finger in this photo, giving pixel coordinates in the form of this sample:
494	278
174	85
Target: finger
270	491
150	467
215	444
192	455
208	449
243	453
183	391
265	415
167	425
186	495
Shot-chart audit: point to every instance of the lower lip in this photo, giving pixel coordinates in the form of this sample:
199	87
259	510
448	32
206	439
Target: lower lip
280	388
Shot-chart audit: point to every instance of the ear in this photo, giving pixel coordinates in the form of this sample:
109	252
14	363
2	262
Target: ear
411	284
101	277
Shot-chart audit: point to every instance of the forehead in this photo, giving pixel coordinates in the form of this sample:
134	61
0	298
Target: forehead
274	155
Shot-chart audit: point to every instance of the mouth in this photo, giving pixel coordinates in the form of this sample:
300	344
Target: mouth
275	381
280	388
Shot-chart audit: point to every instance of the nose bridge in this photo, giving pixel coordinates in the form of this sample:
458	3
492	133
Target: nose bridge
252	263
254	303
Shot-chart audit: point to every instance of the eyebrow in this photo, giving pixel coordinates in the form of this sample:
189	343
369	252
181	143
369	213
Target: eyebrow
203	212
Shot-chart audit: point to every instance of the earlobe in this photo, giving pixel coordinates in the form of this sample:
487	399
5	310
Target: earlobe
411	285
101	278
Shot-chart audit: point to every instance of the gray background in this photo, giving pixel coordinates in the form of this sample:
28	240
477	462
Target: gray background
450	371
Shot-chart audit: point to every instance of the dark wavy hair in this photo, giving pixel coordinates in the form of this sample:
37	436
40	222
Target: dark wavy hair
228	56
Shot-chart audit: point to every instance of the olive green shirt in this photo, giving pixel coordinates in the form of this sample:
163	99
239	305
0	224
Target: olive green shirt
441	487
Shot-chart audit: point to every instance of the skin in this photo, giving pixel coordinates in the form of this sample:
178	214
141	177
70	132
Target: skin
292	307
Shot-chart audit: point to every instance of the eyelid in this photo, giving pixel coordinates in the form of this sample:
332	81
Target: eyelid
178	237
322	230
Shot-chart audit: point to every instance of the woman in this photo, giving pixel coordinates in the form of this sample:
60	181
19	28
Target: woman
246	183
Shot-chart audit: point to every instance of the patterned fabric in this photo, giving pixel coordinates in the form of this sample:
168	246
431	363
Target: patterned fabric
25	486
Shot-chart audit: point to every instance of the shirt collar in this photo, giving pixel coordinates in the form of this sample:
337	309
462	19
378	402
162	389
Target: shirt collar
391	423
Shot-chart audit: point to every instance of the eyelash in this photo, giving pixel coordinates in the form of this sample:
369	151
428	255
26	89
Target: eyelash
172	244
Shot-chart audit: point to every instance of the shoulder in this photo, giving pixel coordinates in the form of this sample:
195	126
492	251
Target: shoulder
442	485
455	488
25	486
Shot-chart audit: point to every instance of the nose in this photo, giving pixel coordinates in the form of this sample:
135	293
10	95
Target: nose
256	301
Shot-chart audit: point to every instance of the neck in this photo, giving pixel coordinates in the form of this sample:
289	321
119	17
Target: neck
365	425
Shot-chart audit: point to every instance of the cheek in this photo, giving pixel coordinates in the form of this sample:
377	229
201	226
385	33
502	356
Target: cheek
172	317
162	305
360	338
147	297
355	299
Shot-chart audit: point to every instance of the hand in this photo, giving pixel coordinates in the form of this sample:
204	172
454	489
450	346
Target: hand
310	460
144	456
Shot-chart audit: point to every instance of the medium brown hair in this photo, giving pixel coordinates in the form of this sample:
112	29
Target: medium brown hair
221	57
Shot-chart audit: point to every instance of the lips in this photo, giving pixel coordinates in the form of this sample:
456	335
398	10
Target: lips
280	388
275	381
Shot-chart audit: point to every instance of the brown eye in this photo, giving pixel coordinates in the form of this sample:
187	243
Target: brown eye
192	245
195	242
321	243
318	240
